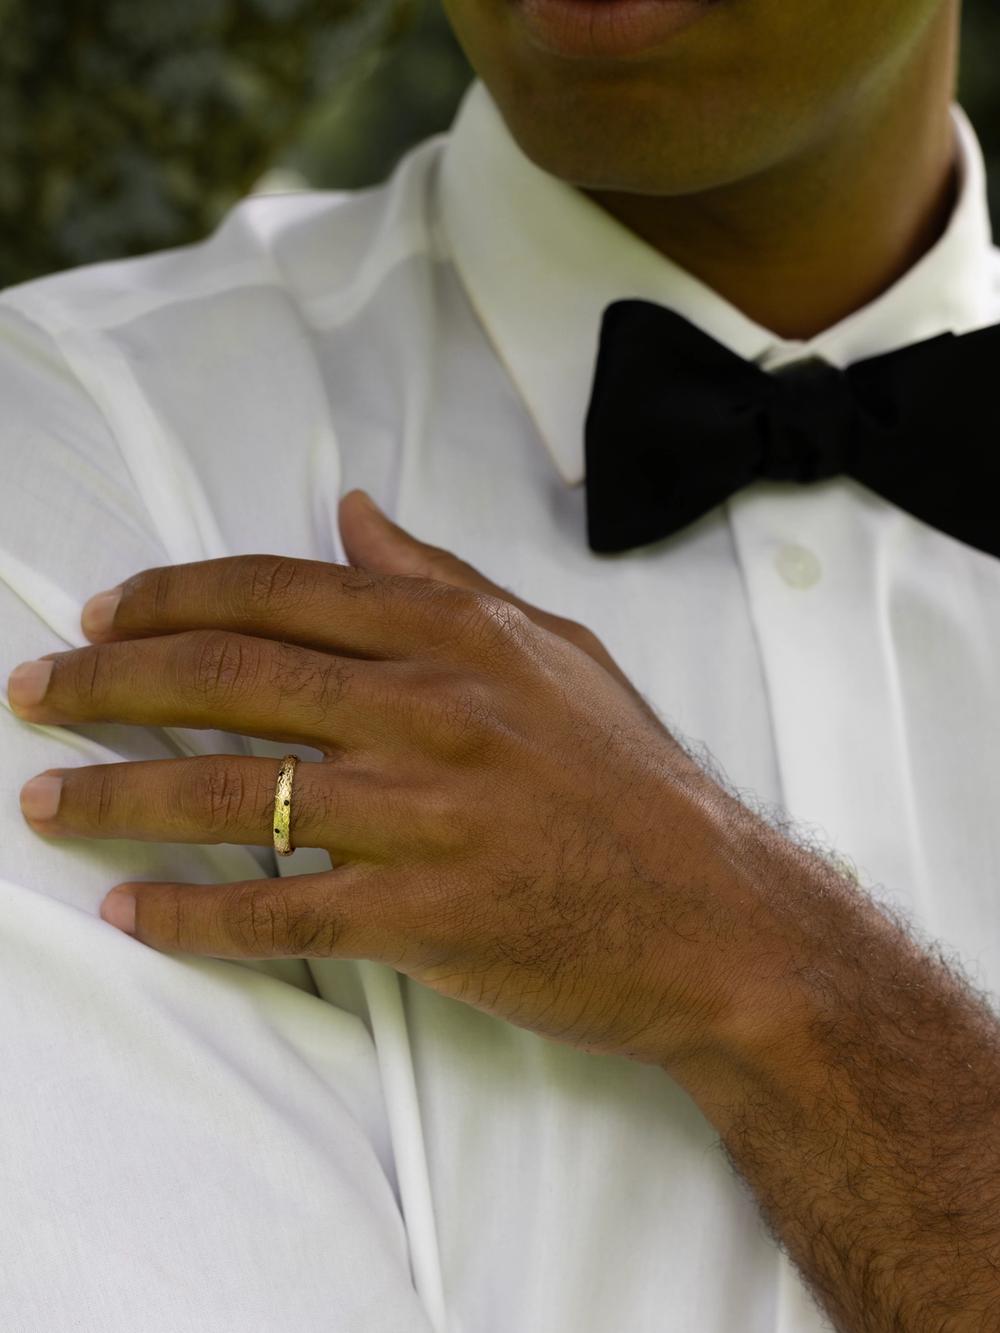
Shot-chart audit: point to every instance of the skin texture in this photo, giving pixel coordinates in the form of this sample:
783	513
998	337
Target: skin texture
797	157
469	741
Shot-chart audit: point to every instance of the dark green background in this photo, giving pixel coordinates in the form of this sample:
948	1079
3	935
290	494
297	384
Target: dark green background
132	125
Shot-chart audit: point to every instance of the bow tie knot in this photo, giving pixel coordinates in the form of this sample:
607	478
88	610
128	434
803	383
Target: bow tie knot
809	427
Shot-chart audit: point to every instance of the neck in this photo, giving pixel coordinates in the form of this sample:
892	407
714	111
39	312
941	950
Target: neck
856	210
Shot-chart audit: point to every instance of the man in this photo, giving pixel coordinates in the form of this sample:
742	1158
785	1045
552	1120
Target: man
293	1139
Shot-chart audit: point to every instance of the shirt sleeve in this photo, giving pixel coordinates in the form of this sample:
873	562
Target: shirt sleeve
214	1140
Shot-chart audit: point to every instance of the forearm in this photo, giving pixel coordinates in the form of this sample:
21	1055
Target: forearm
865	1114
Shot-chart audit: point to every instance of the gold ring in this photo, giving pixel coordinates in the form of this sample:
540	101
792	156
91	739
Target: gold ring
283	806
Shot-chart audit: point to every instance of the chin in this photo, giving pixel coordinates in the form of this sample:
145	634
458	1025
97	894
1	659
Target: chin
619	162
639	139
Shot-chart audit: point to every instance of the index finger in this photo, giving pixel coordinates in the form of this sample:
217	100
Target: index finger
339	608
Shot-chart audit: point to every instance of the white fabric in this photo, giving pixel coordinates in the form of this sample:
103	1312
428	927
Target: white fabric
194	1144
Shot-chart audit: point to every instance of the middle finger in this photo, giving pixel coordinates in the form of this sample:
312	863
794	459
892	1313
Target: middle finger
224	681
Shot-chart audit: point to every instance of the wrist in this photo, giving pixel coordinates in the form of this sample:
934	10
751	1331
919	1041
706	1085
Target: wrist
785	978
746	1066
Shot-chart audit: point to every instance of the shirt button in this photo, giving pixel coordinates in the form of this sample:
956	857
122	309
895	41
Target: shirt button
798	566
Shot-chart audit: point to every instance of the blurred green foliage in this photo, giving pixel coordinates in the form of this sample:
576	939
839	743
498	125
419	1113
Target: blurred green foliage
979	87
407	91
132	125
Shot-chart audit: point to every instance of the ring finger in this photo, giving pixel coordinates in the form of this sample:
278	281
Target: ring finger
350	812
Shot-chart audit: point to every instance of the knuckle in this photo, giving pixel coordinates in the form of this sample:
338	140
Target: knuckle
316	680
218	665
262	921
509	623
218	802
468	608
310	933
268	583
452	618
491	624
417	587
256	918
427	596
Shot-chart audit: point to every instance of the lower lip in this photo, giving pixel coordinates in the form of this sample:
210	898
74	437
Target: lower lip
603	29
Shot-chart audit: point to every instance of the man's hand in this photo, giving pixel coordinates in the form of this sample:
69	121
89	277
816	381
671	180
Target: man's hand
510	824
507	822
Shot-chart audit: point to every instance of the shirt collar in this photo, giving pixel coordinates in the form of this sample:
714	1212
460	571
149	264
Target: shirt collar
540	261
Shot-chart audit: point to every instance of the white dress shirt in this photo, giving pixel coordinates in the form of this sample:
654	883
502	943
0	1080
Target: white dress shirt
202	1144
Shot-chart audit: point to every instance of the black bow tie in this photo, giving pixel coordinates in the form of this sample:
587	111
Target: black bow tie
677	423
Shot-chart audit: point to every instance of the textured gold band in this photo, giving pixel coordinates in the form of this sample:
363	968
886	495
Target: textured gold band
283	806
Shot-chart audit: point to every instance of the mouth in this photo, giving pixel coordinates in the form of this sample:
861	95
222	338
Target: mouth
608	29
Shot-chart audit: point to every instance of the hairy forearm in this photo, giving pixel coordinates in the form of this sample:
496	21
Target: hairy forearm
865	1113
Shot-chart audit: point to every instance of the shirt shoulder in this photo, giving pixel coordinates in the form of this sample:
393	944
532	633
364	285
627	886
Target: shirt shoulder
71	517
318	247
133	386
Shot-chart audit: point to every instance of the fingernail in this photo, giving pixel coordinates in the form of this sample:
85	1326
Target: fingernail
28	682
99	612
369	503
40	796
118	909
